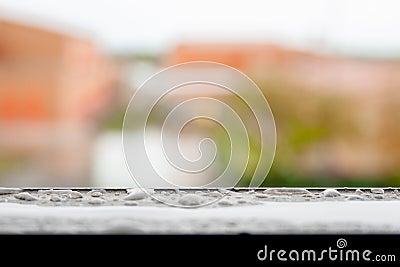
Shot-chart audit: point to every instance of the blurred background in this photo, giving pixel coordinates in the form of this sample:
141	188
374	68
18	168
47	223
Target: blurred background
329	69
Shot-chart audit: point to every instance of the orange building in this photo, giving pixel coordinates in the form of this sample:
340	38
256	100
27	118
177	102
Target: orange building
53	89
353	101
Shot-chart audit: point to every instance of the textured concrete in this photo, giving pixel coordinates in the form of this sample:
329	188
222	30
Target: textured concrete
274	210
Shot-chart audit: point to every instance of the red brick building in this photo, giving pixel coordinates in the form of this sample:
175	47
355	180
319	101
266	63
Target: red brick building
53	89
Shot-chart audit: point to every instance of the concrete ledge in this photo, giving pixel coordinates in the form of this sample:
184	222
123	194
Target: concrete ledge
241	211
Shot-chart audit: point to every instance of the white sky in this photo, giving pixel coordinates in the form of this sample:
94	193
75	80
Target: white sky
353	26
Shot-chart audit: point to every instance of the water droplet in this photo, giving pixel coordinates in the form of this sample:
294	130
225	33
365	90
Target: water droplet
330	192
286	191
96	193
191	200
130	203
25	196
354	197
55	198
96	201
135	194
380	196
377	191
75	195
225	202
359	192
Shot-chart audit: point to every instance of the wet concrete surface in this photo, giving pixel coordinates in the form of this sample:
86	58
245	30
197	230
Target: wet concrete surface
233	211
